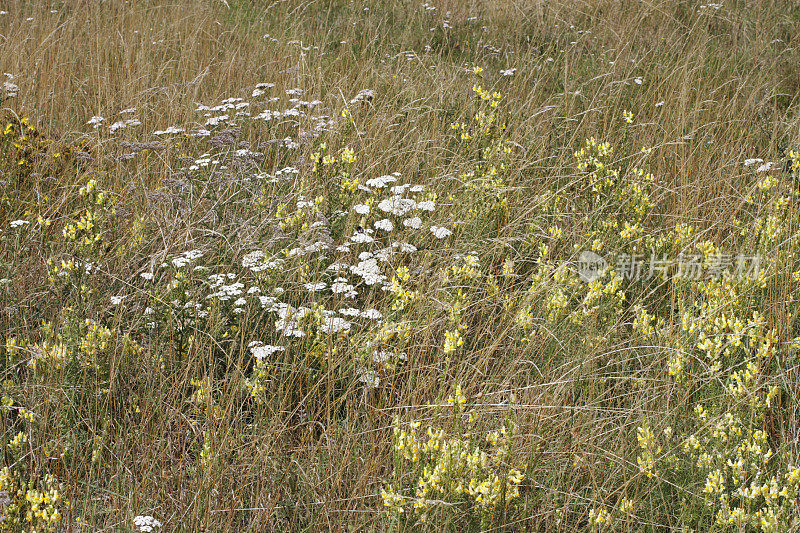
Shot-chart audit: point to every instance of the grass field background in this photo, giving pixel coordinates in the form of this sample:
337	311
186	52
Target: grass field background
316	266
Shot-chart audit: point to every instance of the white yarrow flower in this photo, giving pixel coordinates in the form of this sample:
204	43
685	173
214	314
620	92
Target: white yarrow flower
405	247
146	523
361	209
369	270
95	121
169	131
413	223
371	314
334	324
369	378
381	181
427	205
440	232
382	356
256	262
364	94
397	205
260	351
314	287
361	238
342	287
384	224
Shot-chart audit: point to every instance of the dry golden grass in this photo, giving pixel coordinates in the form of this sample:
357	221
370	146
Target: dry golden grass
127	441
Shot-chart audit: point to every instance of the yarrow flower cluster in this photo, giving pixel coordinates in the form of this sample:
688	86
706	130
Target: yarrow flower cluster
146	523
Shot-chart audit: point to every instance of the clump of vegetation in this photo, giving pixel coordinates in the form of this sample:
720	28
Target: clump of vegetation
437	473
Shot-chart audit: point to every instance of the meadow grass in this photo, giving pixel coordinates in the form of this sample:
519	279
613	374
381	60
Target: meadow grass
318	266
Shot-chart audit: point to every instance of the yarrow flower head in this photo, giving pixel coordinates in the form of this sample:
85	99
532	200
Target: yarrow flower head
334	324
384	224
256	262
95	121
146	524
369	270
363	94
361	238
369	378
361	209
413	223
440	232
260	351
186	257
381	181
397	205
169	131
11	89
